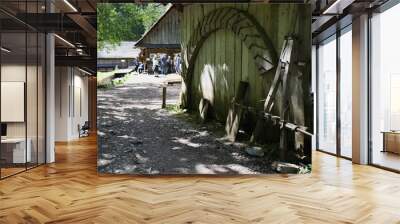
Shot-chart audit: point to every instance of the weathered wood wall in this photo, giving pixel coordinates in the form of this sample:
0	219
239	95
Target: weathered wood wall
224	60
165	32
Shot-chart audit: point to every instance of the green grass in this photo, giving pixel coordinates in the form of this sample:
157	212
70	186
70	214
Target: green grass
174	109
305	169
104	79
103	75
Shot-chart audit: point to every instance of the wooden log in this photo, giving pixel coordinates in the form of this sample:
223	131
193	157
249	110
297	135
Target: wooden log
235	112
276	120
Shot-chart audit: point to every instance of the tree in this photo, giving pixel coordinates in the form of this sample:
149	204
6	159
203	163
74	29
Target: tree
118	22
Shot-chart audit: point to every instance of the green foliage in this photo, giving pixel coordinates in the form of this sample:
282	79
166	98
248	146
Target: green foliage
118	22
305	169
174	109
108	82
104	79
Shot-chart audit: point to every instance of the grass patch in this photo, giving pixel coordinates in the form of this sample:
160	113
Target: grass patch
121	81
174	109
305	169
102	75
105	79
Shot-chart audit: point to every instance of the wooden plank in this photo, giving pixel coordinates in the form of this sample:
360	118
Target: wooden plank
284	114
224	67
260	83
185	36
208	46
204	107
211	51
237	62
195	82
272	26
245	65
230	61
202	54
189	28
212	44
238	56
235	112
218	75
252	71
268	25
161	32
286	13
197	66
187	39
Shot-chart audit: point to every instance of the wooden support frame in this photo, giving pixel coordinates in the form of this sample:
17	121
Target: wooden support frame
235	112
286	66
204	107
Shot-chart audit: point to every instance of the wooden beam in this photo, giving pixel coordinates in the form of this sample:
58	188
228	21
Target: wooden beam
235	112
86	26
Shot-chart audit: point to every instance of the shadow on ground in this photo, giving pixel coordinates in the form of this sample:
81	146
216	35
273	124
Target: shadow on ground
137	137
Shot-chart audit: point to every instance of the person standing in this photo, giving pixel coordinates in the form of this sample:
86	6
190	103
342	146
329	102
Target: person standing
164	64
169	64
178	64
155	64
140	68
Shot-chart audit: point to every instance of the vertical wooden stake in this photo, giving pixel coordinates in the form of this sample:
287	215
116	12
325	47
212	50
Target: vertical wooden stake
236	111
164	97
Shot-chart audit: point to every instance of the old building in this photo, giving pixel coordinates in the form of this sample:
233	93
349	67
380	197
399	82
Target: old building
164	36
121	55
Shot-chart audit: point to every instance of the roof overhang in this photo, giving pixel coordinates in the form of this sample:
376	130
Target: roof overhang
140	43
158	46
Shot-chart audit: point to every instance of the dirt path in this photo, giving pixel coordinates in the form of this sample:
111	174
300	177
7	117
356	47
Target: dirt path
137	137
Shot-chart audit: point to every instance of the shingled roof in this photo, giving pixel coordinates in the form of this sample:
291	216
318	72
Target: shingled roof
126	49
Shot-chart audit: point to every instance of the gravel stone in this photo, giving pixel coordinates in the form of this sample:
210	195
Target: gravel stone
131	115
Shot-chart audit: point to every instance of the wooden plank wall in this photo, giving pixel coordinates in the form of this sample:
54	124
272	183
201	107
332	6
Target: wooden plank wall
224	60
161	32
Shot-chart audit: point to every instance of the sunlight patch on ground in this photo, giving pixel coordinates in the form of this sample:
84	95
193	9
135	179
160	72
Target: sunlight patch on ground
176	148
221	169
103	162
127	137
186	142
141	159
100	133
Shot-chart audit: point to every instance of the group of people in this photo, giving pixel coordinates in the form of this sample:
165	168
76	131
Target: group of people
161	64
165	64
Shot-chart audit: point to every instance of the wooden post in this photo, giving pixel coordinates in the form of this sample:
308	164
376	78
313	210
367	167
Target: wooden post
203	109
164	97
235	112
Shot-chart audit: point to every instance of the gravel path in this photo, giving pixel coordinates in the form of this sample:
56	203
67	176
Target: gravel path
137	137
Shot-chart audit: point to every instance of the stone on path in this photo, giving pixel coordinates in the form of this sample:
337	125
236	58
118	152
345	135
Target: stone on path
255	151
136	142
283	167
